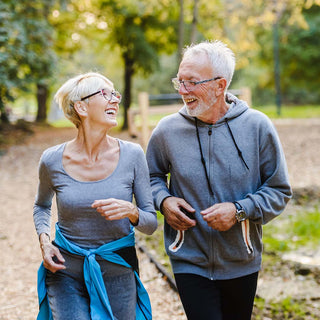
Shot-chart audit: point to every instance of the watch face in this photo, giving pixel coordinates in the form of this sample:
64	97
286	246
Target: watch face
241	215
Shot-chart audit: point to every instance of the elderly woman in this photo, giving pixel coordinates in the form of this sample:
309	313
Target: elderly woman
90	270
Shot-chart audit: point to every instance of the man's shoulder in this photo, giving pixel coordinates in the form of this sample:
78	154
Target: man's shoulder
169	122
256	116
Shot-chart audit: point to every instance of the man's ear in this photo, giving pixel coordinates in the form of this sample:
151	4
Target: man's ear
81	108
222	83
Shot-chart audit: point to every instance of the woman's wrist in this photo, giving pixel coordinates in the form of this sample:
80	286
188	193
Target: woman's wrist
44	239
134	218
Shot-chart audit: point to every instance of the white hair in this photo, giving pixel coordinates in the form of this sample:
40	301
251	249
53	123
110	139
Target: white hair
76	88
222	58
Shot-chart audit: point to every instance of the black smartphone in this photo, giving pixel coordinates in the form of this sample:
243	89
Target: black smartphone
189	214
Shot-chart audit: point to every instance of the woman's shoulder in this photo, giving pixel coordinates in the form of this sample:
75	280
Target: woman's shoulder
52	153
132	148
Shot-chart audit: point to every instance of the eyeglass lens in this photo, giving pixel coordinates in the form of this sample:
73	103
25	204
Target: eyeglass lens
188	85
109	96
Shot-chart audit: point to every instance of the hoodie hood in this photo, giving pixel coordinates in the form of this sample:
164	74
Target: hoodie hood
237	107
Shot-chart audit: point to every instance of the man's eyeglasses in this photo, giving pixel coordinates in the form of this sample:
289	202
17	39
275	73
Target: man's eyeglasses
188	84
109	96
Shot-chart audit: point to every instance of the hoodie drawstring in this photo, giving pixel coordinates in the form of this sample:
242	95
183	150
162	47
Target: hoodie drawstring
235	143
202	158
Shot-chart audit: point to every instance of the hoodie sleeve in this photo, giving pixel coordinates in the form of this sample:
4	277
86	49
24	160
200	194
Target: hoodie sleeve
271	197
159	167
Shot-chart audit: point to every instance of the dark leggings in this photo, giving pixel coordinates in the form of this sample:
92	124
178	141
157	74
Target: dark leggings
205	299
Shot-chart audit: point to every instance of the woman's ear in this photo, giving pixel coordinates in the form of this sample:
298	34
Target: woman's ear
81	108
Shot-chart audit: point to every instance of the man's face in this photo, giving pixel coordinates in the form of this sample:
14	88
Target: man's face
201	97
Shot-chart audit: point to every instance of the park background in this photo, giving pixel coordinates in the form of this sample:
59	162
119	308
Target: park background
138	45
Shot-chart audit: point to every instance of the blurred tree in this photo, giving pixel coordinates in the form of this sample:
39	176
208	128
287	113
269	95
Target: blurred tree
140	30
41	58
300	59
180	30
26	49
251	28
12	52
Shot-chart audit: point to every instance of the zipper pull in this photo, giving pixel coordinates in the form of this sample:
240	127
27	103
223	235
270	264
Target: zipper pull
210	130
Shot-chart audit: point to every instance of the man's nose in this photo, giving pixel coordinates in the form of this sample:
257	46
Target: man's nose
182	89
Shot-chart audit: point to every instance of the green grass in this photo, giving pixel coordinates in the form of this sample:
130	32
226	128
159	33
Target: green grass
307	111
286	233
287	308
62	123
291	232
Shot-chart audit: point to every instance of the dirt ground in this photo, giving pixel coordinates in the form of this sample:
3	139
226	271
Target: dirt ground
19	244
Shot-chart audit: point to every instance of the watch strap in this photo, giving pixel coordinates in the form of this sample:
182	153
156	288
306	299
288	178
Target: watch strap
238	205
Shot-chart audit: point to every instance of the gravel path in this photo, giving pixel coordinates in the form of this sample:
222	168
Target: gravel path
19	244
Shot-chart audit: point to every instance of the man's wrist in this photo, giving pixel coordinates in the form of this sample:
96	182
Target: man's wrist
240	214
161	204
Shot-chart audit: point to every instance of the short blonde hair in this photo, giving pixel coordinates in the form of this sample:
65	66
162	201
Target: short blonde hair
76	88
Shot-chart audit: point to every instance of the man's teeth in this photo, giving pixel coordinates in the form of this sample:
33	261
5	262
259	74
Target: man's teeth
110	111
189	100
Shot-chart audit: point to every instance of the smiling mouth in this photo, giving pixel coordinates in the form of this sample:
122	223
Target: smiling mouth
190	100
110	111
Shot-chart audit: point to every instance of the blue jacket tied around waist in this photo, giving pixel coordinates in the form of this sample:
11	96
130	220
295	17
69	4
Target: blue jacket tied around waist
99	302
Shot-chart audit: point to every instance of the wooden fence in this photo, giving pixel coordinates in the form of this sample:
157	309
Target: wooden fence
145	110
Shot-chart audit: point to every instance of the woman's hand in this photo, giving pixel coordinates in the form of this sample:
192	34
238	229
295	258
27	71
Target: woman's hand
115	209
52	258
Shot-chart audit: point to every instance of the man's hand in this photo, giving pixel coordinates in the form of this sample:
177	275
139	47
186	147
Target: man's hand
172	209
220	216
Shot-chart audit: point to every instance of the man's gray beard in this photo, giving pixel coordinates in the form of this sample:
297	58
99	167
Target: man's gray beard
200	109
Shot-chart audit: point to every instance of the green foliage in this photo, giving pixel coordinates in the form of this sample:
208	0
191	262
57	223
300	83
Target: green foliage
290	232
140	29
25	47
298	112
287	308
11	53
301	59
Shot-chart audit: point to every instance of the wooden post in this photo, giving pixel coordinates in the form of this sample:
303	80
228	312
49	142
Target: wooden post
245	94
132	129
143	99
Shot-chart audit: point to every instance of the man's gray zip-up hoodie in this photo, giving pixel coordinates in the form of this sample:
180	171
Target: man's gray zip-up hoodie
245	163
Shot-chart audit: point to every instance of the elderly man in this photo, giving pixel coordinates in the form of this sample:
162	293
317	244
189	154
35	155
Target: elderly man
228	177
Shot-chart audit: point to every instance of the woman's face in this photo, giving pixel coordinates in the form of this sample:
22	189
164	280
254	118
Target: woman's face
103	107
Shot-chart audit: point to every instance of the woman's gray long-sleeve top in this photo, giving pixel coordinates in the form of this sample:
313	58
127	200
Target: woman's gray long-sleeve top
78	221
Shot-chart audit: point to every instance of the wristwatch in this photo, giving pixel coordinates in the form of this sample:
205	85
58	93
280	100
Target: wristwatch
240	213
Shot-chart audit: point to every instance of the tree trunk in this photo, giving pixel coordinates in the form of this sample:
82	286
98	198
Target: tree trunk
128	73
42	97
180	31
277	75
193	38
3	114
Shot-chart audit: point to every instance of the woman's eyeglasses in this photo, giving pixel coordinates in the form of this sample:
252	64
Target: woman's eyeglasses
109	96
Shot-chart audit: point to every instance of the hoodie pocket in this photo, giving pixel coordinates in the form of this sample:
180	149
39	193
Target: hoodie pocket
235	245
